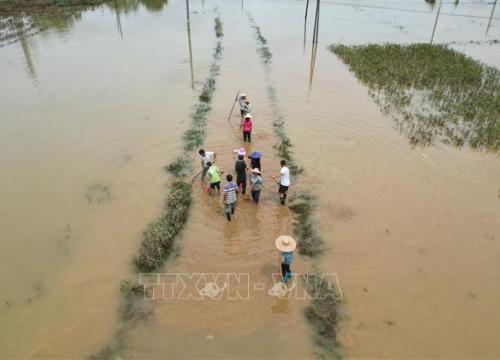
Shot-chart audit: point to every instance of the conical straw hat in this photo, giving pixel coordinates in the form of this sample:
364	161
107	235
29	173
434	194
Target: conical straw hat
286	243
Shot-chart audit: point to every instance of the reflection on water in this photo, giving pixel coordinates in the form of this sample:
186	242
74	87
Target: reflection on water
188	23
133	5
491	17
62	21
118	20
18	28
314	48
437	19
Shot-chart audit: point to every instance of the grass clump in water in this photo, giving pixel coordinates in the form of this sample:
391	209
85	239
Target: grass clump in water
322	313
263	50
309	242
158	238
218	28
179	167
432	91
133	307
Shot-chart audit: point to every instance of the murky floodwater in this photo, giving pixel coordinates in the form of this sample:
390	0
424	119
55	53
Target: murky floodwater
92	110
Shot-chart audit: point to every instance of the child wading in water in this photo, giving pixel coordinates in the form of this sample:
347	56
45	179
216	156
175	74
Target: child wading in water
214	175
256	182
230	196
286	245
246	124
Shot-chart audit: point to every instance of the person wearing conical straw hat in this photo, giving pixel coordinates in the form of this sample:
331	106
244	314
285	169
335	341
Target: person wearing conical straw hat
286	245
256	182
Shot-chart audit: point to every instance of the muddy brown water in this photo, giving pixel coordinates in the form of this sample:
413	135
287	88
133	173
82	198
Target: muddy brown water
88	119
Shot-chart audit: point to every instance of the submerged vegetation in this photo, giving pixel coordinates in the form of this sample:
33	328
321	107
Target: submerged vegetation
309	242
158	242
158	238
263	49
218	28
322	310
18	6
322	313
284	146
179	167
432	91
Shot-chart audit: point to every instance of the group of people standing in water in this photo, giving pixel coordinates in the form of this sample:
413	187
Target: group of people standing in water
235	187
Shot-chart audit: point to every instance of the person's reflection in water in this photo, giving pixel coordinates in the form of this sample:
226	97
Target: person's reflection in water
281	306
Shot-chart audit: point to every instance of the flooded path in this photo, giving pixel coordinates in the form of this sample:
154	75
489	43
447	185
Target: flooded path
88	122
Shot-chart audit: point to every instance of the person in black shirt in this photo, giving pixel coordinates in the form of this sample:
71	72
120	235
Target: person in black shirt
240	168
255	160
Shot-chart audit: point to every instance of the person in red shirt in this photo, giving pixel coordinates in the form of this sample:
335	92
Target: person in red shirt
246	125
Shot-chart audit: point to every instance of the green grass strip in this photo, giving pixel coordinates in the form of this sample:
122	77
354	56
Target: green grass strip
432	91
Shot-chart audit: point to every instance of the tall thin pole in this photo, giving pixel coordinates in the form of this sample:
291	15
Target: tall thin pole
316	23
491	17
189	43
437	17
118	21
305	26
314	44
307	8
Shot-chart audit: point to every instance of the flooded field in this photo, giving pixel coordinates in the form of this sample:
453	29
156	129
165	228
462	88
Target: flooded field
95	103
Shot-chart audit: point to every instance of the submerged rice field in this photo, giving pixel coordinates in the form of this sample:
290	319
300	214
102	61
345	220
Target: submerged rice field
436	92
386	114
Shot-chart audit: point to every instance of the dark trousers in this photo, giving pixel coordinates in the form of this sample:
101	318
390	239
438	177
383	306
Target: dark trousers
247	135
241	181
256	196
286	272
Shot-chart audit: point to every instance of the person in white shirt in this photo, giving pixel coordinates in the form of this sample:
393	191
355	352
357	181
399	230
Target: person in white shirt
247	108
241	100
284	181
206	157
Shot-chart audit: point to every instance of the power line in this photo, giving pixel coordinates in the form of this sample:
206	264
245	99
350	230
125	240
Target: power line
407	10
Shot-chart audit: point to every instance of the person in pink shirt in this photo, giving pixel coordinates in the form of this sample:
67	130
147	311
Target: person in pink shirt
246	125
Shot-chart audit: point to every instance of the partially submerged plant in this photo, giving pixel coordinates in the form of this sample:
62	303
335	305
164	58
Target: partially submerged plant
263	50
133	307
322	313
218	28
431	91
179	167
302	205
158	243
98	193
158	238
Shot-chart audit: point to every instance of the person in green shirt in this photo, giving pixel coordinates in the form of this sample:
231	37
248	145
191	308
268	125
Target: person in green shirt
214	175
